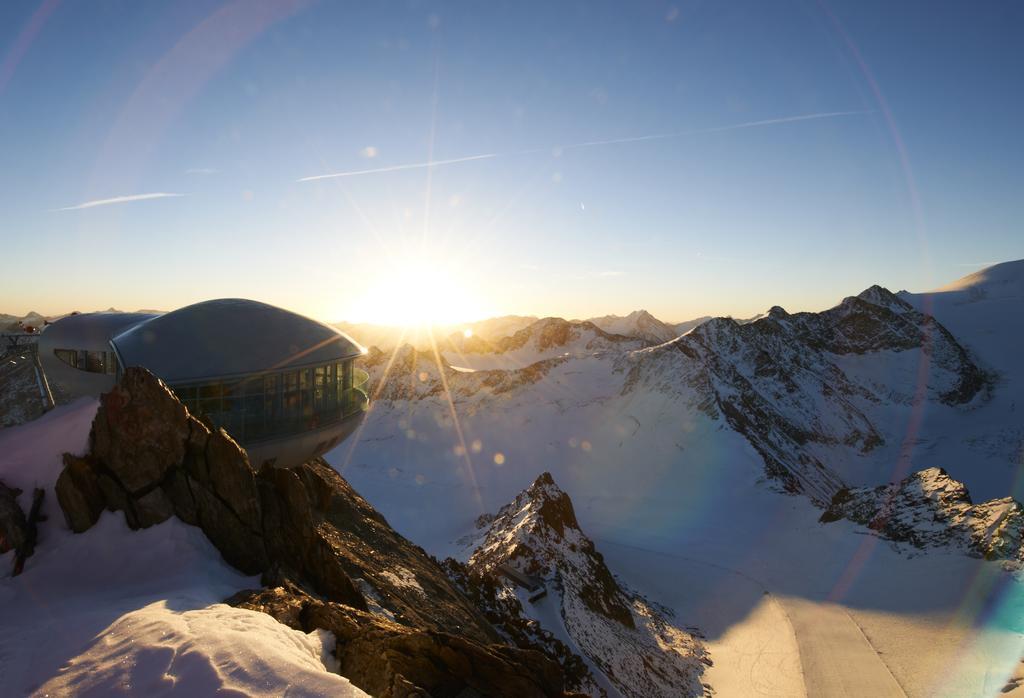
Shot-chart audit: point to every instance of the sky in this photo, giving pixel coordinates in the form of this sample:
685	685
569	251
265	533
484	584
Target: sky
572	159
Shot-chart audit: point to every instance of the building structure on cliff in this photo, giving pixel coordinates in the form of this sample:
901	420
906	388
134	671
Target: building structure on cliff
282	385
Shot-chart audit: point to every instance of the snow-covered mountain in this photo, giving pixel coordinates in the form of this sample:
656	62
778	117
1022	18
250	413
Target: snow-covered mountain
536	541
810	392
639	324
544	339
929	509
801	386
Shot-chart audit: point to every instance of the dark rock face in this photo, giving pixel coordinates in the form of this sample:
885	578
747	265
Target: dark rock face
305	529
13	525
385	658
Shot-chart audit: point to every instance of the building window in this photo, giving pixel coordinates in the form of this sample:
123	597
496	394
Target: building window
276	404
89	361
68	356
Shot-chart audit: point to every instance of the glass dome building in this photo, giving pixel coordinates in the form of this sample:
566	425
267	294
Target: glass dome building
284	386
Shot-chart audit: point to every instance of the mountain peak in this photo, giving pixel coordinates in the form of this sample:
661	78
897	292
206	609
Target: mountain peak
535	540
639	324
881	296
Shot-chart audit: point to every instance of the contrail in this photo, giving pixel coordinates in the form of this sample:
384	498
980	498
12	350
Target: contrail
590	144
120	200
395	168
717	129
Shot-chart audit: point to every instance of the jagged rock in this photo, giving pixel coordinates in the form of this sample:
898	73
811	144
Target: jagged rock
391	660
536	539
506	613
150	509
544	525
13	525
137	433
78	493
930	509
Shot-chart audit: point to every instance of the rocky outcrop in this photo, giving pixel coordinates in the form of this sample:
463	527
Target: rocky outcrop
13	524
331	560
19	532
151	459
930	509
385	658
536	540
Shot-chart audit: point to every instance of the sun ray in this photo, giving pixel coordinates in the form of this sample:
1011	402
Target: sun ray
458	426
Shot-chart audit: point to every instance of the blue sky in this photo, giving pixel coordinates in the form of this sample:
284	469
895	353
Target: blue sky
230	105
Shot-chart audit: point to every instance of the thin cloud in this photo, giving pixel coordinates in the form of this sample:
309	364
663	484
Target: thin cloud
589	144
201	170
718	129
396	168
611	272
120	200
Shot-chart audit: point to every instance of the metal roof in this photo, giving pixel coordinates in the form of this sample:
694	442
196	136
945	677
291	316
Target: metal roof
91	331
228	337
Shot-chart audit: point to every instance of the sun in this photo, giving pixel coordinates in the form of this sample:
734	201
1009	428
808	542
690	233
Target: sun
419	291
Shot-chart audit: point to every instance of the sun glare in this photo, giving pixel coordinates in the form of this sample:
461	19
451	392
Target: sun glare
420	292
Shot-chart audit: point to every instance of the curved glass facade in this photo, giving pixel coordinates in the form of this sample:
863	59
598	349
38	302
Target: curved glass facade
90	361
279	403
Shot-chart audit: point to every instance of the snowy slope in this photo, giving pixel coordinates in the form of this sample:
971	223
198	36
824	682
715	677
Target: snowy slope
985	448
114	611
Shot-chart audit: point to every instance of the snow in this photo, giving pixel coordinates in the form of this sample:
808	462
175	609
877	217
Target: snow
116	611
983	448
160	650
404	579
677	502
